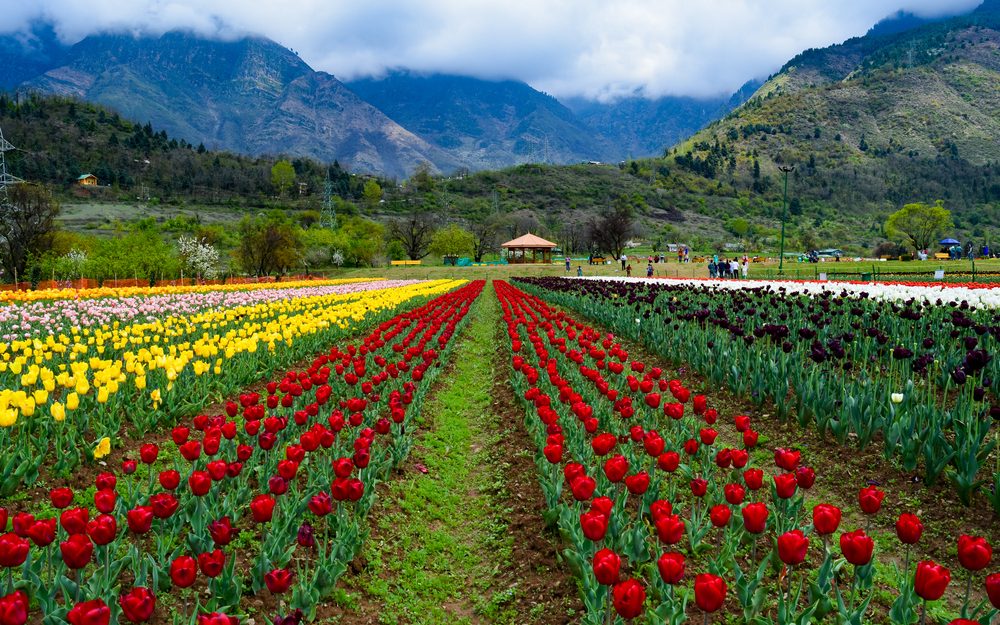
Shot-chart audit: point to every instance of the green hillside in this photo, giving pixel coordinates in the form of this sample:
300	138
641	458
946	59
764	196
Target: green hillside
869	125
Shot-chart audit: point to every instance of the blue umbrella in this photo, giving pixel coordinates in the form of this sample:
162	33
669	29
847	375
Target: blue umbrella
949	242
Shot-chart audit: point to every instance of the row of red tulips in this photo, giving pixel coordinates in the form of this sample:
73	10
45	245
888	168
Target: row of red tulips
271	494
640	482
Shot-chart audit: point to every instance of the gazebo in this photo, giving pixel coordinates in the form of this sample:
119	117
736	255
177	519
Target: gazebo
518	249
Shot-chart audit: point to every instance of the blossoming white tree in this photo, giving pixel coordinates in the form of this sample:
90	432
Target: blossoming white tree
198	257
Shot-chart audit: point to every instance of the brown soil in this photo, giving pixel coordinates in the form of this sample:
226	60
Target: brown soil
545	588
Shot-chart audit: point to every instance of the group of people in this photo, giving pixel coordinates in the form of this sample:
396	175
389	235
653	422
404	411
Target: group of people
728	268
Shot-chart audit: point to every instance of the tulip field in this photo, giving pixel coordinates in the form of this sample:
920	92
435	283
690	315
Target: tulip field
659	514
219	455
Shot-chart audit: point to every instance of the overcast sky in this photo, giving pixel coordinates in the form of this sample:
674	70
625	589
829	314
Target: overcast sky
592	48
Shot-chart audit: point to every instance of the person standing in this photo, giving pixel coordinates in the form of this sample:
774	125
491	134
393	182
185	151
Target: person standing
624	260
712	268
649	269
734	268
628	271
579	271
746	267
567	263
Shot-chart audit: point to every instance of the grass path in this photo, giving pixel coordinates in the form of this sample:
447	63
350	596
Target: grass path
441	549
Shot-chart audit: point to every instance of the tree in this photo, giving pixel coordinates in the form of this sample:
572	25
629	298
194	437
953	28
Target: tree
198	257
359	242
413	232
919	225
268	244
27	226
613	228
282	177
452	240
372	193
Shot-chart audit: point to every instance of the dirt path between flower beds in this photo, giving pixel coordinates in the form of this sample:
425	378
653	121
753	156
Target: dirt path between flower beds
458	537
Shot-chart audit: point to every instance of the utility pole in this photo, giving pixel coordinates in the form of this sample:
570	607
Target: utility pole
784	215
329	216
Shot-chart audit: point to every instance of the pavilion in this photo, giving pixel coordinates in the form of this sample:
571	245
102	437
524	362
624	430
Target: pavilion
519	248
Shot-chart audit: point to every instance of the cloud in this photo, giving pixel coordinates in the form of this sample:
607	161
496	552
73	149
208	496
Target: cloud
592	48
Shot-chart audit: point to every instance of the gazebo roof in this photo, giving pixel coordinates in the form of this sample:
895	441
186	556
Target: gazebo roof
529	240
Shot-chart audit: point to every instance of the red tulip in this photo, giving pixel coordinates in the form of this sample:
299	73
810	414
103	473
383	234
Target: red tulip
742	423
637	484
792	547
14	608
785	485
720	515
148	453
105	481
43	532
671	567
77	551
707	436
668	461
857	547
212	563
553	453
604	443
615	468
787	459
60	498
21	523
734	494
217	469
699	487
974	552
129	466
103	529
183	571
606	565
137	604
993	589
826	519
602	505
262	508
164	505
105	500
709	592
653	400
13	550
670	529
342	467
278	580
583	488
221	531
140	519
200	483
754	478
594	525
755	517
94	612
909	528
628	598
74	520
806	477
217	618
870	499
931	580
170	479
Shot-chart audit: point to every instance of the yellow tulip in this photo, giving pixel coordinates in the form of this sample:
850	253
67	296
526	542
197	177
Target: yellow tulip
8	417
58	411
102	395
72	401
103	448
41	397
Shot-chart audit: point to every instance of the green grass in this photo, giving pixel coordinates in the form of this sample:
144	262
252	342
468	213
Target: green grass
439	551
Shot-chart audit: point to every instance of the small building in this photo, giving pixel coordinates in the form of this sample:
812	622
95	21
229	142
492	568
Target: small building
87	180
529	249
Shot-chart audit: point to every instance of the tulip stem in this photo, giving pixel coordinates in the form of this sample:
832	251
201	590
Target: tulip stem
923	612
906	570
706	619
10	580
968	592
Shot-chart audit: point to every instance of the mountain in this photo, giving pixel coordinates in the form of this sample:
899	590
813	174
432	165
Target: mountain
485	124
871	124
640	127
25	55
249	95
